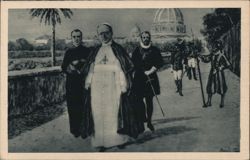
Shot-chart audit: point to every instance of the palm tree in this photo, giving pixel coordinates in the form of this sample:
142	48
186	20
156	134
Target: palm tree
51	17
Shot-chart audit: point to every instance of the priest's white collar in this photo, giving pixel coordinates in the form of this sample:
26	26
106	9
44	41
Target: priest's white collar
107	44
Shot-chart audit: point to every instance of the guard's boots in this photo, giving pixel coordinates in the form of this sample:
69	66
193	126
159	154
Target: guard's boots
177	86
150	126
194	74
209	101
189	73
222	101
180	87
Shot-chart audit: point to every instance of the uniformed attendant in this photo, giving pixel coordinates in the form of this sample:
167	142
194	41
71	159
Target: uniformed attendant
216	79
147	60
177	61
191	61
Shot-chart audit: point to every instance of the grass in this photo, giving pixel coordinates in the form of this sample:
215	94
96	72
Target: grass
22	123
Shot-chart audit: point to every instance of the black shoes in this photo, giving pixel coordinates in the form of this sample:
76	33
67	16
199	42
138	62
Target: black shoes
150	126
180	93
101	149
76	135
122	146
209	104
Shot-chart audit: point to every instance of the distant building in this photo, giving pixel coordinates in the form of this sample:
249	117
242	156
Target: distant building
42	40
84	40
134	34
120	39
68	40
168	25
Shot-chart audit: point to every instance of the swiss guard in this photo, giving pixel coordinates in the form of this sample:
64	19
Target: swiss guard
191	60
216	80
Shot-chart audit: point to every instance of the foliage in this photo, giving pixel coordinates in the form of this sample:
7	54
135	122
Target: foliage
20	44
12	46
51	17
198	46
129	46
33	54
29	64
219	22
23	45
165	47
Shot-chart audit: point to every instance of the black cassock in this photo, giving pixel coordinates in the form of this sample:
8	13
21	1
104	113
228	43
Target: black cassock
178	57
75	86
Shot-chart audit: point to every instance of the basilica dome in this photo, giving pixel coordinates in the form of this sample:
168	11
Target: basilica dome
135	32
168	22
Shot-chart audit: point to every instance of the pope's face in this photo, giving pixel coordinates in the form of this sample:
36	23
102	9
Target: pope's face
104	34
145	38
76	38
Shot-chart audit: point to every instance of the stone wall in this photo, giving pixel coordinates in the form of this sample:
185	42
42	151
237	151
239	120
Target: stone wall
32	89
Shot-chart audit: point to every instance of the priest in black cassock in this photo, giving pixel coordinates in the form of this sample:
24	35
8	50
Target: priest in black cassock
74	59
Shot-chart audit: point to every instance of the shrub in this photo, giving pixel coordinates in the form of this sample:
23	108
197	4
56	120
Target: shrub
33	54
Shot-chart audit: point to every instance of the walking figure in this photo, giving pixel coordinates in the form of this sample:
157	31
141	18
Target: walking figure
147	60
109	118
75	57
191	61
177	61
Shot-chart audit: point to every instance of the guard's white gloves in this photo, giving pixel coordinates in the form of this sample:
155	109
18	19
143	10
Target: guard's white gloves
152	70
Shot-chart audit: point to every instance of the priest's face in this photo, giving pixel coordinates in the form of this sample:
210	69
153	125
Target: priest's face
76	38
105	33
145	38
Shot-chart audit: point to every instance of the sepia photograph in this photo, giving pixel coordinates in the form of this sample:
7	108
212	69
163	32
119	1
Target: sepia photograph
140	80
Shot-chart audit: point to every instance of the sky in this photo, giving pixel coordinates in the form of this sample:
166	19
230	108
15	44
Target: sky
21	25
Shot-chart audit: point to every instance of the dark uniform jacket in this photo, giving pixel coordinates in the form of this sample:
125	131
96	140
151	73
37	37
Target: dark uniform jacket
74	85
216	80
144	60
178	57
127	119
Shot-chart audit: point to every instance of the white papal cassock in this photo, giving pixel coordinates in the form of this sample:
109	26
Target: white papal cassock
107	82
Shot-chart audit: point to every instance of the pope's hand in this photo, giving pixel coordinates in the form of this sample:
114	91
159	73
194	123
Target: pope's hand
75	62
171	70
87	85
71	69
123	88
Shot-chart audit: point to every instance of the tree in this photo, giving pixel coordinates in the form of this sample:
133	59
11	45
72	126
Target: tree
51	17
23	44
11	46
219	22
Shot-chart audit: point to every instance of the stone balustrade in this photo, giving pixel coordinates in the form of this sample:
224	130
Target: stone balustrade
29	90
